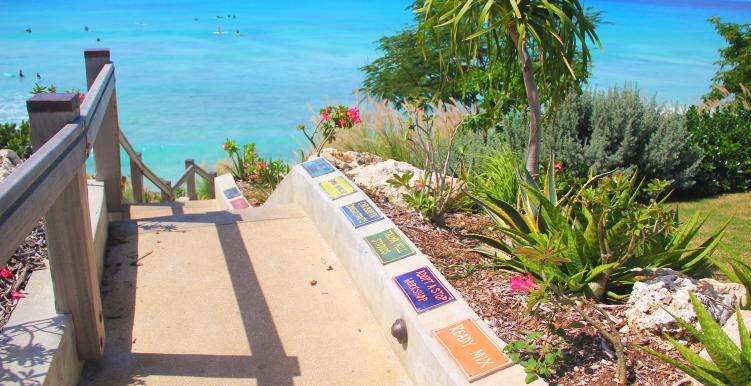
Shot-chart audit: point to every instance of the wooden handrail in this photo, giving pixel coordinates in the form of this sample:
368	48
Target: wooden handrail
183	177
148	173
93	108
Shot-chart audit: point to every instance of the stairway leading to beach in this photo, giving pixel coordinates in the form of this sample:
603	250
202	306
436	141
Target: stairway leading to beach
196	295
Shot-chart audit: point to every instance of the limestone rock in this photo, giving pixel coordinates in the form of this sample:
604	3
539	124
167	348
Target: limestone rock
9	161
669	290
371	172
348	160
374	177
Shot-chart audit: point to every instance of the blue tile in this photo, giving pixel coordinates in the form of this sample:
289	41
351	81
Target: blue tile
361	213
423	289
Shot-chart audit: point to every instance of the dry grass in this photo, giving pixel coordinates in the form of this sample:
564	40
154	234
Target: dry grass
718	210
385	130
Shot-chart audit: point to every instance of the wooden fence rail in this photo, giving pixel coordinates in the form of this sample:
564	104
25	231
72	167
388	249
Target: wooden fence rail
51	184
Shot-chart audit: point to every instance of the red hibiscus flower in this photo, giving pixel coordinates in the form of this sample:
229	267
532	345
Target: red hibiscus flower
5	272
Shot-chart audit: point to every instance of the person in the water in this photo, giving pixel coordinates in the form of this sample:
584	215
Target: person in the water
39	77
86	28
98	40
20	74
28	30
237	32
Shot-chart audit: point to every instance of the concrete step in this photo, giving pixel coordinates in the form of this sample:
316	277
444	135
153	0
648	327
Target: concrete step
161	209
251	297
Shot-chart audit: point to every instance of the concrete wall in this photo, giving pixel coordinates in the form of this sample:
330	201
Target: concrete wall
423	356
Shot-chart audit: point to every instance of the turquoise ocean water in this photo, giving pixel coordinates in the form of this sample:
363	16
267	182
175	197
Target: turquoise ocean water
183	89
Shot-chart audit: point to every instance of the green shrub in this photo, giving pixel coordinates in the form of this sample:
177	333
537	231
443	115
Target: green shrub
725	138
493	173
600	131
729	365
738	271
16	138
598	237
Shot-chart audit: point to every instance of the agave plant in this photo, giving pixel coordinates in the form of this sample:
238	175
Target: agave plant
602	233
729	365
738	272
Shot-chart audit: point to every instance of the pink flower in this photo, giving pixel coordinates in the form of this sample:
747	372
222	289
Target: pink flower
254	176
263	165
342	122
224	146
15	295
419	185
254	203
558	166
354	115
524	284
325	113
5	272
81	97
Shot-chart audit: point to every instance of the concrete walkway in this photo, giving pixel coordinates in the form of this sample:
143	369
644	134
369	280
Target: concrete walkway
200	297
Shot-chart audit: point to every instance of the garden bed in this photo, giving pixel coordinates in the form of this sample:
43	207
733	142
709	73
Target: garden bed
487	289
30	256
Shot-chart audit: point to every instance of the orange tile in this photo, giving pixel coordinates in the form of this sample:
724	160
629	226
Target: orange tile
471	349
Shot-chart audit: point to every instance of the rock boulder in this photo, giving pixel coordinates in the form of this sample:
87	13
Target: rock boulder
9	161
669	290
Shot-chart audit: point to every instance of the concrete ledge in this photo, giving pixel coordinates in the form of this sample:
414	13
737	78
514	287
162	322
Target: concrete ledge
422	356
38	345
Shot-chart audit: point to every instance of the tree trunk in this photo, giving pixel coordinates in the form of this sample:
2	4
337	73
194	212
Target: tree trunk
533	100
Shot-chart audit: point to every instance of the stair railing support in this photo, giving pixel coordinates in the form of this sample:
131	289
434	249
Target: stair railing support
191	182
106	146
67	224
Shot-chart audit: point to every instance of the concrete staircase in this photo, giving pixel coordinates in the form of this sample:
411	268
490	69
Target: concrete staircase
196	295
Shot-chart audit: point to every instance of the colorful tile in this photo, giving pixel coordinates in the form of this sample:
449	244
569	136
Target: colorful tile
318	167
471	349
361	213
232	193
240	203
423	289
389	246
337	187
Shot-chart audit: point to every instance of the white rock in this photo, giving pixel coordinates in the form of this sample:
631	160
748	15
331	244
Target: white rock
9	161
669	290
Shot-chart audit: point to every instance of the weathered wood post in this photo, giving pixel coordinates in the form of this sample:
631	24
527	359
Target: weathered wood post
212	194
68	227
136	181
191	181
165	195
106	146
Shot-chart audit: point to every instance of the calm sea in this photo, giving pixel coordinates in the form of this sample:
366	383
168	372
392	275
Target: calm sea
183	89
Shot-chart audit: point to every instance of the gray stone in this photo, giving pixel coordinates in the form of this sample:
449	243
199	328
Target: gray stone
9	161
668	290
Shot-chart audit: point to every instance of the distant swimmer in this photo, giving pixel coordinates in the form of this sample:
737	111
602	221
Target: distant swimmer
28	30
39	77
86	28
98	40
237	32
20	74
195	19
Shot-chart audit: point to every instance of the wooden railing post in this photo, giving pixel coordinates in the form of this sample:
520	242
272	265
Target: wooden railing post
165	196
68	228
106	145
191	182
212	194
136	181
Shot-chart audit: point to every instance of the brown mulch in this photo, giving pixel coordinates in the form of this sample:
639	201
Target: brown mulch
30	256
588	358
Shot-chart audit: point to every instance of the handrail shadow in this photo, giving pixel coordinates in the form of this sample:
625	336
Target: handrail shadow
268	364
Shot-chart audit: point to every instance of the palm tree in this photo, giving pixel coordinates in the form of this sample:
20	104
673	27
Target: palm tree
547	37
